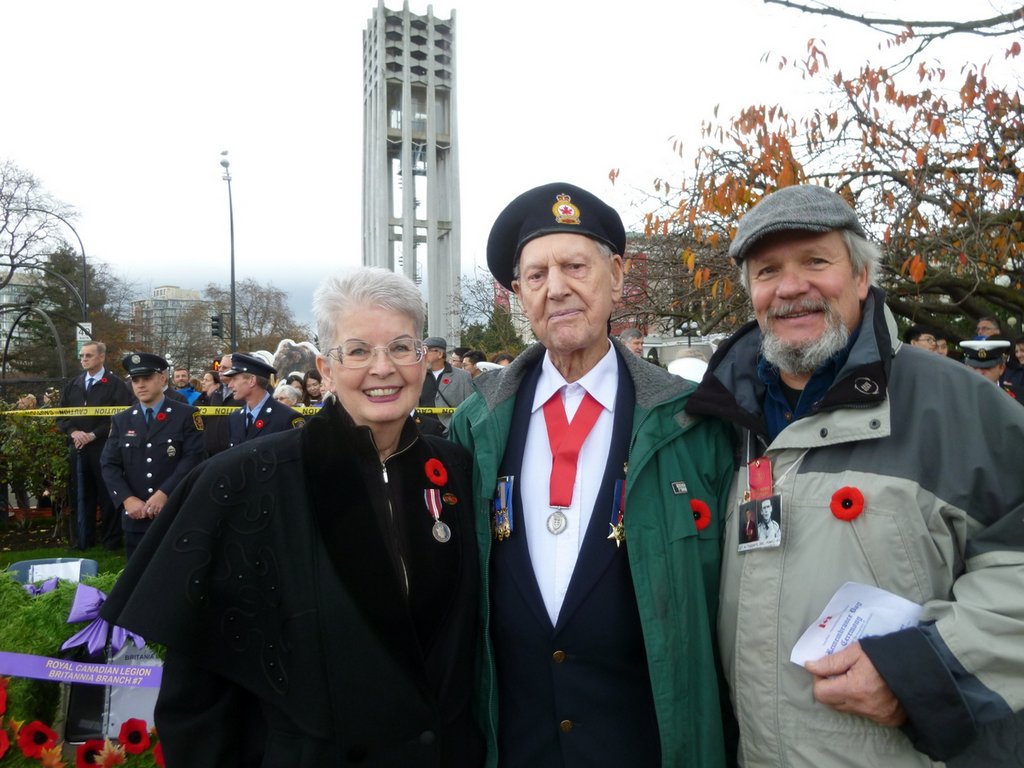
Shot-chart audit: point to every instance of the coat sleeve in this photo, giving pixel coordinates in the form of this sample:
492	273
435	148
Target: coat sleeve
963	667
205	721
112	467
64	423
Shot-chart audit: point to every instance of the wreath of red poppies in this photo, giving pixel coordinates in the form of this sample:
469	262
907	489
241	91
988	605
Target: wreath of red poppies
161	416
436	473
847	503
260	423
701	514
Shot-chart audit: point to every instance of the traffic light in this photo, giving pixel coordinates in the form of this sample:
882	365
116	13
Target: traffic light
217	325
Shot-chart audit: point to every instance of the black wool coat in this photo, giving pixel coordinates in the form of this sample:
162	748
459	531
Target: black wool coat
311	617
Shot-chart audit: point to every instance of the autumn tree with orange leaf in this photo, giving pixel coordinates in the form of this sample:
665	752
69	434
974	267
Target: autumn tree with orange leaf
930	156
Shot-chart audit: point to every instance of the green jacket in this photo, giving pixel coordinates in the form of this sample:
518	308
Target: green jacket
673	459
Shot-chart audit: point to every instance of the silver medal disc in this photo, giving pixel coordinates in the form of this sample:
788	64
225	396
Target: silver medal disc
441	531
557	522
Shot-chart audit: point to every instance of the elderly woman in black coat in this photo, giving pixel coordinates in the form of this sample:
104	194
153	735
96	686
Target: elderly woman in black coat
317	589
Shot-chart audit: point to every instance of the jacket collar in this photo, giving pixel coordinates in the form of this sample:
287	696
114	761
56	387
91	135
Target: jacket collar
652	385
732	390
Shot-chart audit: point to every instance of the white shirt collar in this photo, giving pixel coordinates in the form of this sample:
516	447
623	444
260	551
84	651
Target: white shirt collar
601	381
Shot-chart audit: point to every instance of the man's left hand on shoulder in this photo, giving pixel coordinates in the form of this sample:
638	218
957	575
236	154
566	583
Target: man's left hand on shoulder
848	682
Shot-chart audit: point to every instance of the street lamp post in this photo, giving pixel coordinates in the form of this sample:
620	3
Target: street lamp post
231	219
81	247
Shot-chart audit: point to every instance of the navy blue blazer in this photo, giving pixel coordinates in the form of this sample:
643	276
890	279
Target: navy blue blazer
139	460
273	417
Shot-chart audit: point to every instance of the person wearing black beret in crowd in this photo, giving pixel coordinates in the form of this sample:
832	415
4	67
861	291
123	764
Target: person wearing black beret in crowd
604	506
316	589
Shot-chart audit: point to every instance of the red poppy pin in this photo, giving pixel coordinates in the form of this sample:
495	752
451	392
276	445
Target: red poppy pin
161	416
445	381
701	514
847	503
436	473
260	423
103	380
134	736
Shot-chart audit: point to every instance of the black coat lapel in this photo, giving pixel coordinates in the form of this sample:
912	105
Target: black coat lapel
513	554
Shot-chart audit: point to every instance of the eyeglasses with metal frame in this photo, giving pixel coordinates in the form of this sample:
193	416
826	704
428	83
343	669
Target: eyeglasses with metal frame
356	353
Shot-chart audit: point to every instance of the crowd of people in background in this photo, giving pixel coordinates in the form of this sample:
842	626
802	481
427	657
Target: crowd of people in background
810	457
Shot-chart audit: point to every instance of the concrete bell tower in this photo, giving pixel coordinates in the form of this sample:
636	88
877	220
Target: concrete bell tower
410	156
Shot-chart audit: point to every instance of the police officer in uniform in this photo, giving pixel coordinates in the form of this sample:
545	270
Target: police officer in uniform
986	357
249	380
152	446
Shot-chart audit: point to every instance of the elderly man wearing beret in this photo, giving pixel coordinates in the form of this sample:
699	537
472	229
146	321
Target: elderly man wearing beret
886	466
600	505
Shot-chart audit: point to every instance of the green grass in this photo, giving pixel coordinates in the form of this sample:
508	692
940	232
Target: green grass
109	562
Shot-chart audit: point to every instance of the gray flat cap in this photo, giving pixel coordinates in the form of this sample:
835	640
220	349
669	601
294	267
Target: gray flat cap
802	209
435	342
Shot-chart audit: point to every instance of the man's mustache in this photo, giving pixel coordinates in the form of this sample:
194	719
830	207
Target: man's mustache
797	307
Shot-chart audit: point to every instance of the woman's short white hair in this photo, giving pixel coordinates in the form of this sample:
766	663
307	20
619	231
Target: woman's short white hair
365	287
288	391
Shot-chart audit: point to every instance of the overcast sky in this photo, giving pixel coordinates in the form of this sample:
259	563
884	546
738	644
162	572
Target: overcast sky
121	109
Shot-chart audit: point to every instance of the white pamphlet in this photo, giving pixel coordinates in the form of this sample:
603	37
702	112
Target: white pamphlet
855	611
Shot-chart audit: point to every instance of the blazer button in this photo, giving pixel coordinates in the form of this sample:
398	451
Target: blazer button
558	657
565	726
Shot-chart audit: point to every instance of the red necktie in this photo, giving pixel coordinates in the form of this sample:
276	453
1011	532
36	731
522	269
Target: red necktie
566	440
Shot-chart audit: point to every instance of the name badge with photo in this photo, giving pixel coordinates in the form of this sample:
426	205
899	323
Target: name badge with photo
760	524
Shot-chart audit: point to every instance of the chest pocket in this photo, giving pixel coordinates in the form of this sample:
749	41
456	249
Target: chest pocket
131	448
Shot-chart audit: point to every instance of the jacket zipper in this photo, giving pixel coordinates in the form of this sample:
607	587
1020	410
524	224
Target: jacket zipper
391	514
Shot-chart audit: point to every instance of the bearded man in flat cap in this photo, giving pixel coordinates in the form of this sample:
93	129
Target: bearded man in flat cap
600	507
886	466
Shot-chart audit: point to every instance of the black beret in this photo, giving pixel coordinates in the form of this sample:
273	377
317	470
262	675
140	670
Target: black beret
241	363
546	210
143	363
807	208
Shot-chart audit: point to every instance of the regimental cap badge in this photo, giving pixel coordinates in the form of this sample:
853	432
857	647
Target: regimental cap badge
565	212
136	359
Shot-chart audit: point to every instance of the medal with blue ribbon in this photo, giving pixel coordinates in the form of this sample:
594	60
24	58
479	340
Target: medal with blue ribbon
503	508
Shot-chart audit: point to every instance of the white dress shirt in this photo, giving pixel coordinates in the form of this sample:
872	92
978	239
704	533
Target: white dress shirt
554	557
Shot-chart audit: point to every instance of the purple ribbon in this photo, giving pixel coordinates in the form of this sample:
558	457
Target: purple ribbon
47	586
86	606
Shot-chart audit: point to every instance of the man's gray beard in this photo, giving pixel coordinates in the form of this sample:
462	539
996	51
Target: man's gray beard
807	356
